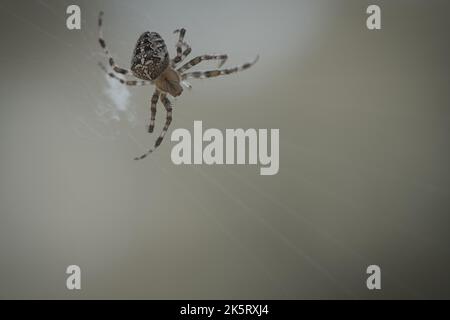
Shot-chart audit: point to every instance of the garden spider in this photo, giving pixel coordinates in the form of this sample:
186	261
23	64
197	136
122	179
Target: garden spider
151	64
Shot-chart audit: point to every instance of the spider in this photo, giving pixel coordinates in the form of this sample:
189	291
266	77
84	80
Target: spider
152	66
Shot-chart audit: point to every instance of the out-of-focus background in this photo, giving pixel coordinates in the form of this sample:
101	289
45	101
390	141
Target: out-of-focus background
364	161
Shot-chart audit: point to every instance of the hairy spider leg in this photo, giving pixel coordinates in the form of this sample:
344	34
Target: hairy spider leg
154	101
215	73
223	58
122	81
168	106
102	42
181	55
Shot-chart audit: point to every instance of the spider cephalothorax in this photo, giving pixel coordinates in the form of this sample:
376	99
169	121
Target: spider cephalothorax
152	65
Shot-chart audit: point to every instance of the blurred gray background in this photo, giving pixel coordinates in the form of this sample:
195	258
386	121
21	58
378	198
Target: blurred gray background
364	162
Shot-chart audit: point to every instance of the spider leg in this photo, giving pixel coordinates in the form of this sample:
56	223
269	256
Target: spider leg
181	55
179	44
223	58
125	82
215	73
168	107
102	42
154	101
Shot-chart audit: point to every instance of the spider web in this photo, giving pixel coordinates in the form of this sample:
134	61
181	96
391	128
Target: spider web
120	107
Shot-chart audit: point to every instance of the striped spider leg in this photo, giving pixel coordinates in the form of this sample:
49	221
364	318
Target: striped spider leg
124	81
112	63
168	106
223	58
154	101
181	55
215	73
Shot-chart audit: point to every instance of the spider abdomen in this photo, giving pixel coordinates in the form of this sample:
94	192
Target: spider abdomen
150	56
